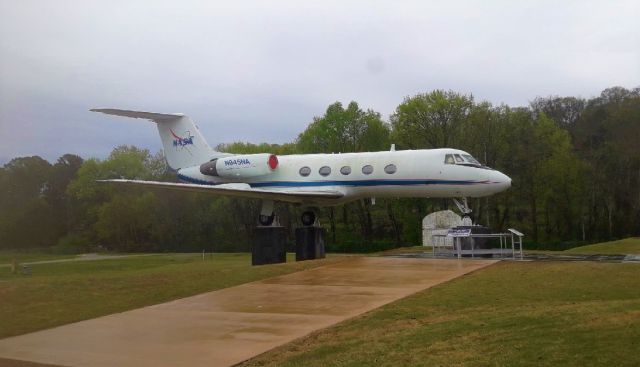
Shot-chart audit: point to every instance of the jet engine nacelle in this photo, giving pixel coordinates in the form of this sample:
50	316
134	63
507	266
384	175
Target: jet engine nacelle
243	166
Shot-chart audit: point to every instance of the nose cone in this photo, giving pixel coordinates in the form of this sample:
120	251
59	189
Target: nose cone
499	181
503	181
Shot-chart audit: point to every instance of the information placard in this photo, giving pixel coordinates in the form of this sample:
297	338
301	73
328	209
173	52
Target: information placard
459	232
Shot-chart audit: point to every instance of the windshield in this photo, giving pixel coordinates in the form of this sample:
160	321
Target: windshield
470	159
463	159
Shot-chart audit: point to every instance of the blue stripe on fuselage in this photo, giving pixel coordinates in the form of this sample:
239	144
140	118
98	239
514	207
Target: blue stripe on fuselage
353	183
379	182
192	180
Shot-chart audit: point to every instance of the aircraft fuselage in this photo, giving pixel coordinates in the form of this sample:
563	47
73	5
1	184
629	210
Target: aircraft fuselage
405	173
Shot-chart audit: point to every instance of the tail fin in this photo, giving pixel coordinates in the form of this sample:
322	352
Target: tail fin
183	144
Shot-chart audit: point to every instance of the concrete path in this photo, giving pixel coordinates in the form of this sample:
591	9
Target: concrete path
83	257
228	326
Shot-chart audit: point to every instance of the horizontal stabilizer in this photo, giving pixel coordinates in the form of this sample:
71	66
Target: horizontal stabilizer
183	144
139	114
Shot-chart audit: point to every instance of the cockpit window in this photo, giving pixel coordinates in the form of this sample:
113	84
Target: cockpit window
464	159
470	159
448	159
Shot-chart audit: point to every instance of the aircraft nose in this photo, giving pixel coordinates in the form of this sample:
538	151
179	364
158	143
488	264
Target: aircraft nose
504	180
500	180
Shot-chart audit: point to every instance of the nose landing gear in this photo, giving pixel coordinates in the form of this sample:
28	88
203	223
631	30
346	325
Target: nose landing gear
463	206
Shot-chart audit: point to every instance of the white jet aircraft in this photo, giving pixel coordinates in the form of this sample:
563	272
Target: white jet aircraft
314	180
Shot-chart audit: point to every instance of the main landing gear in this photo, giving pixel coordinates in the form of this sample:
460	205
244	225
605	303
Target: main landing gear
266	220
270	238
308	218
267	216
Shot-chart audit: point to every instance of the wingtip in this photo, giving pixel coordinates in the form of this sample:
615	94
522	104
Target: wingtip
113	180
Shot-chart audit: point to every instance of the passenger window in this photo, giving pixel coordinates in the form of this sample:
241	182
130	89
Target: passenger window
390	169
458	158
324	170
305	171
346	170
368	169
448	159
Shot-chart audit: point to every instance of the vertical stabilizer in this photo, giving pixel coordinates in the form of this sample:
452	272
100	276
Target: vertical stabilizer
184	145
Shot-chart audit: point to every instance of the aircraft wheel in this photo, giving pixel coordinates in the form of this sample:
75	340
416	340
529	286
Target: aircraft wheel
308	218
266	220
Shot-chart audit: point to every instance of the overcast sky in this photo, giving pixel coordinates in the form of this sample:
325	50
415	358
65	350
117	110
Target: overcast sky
259	71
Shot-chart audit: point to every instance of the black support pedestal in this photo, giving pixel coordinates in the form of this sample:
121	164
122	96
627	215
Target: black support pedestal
309	243
269	245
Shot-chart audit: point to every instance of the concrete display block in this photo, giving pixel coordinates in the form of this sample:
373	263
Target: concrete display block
309	243
439	223
269	245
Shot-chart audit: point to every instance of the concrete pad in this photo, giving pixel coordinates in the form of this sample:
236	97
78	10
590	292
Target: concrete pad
228	326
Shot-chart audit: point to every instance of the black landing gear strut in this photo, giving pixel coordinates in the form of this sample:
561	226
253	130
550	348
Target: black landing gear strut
267	215
463	206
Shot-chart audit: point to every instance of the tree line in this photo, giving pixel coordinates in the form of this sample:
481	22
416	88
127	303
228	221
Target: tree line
575	165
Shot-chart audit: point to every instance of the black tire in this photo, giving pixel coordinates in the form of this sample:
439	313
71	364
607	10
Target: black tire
266	220
308	218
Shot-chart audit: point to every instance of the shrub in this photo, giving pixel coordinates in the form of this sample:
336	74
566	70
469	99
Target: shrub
71	244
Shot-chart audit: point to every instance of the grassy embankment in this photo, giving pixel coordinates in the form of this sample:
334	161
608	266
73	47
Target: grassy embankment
511	314
622	247
60	293
626	246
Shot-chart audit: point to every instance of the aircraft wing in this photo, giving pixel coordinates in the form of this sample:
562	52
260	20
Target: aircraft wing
237	190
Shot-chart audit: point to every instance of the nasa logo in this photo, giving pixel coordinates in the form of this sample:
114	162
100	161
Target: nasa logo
236	162
180	141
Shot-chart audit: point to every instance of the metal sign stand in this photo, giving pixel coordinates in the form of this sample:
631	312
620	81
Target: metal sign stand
439	242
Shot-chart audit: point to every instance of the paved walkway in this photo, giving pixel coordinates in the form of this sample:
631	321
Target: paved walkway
83	257
228	326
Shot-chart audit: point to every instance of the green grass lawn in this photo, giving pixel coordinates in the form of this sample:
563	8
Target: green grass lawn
509	314
60	293
627	246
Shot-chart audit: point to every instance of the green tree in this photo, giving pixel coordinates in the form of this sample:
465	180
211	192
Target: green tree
431	120
61	174
118	218
342	130
26	218
565	111
606	139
